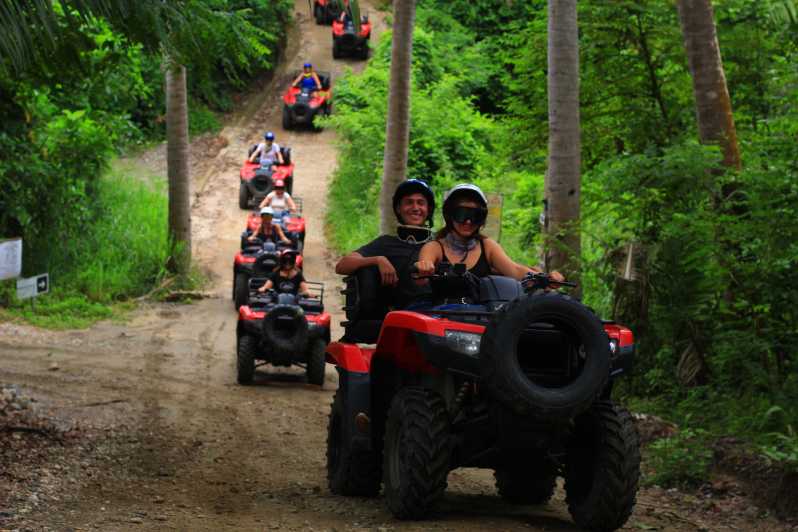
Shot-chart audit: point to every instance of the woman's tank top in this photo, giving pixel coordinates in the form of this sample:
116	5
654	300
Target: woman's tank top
480	269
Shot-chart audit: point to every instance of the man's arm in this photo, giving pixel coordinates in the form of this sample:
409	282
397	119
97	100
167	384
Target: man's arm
354	261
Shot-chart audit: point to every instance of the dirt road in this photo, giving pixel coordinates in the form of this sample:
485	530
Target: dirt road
167	440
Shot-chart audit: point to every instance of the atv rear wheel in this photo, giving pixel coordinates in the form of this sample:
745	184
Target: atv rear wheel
417	453
316	362
602	467
243	196
532	482
364	52
245	359
349	472
240	290
510	373
288	121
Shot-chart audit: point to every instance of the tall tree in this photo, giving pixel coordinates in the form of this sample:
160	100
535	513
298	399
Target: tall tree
562	184
712	102
177	166
397	129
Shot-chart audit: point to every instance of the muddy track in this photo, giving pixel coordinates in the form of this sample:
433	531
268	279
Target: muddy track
172	441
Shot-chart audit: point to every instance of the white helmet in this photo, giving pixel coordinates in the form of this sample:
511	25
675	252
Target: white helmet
267	210
465	188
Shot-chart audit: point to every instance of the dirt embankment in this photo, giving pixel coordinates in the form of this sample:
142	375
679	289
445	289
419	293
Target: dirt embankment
141	425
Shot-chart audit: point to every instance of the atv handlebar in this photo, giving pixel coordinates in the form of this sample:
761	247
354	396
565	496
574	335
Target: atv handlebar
532	281
541	281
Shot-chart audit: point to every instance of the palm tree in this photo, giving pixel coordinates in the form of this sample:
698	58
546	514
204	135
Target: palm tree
562	184
177	167
712	102
397	129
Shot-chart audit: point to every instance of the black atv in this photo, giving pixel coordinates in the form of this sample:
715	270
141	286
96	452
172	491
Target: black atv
519	381
282	330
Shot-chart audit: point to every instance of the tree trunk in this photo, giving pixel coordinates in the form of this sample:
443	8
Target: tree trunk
712	102
177	168
562	187
397	130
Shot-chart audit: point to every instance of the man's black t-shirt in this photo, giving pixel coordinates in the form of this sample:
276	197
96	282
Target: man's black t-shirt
284	285
402	255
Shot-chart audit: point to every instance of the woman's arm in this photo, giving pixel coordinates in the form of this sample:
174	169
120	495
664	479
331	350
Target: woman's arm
503	264
303	289
296	80
280	234
290	202
428	257
266	201
255	153
317	80
266	286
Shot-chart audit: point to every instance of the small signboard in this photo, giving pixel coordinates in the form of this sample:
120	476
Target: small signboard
10	258
33	286
493	227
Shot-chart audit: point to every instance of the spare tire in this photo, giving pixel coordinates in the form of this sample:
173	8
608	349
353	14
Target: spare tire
581	336
285	329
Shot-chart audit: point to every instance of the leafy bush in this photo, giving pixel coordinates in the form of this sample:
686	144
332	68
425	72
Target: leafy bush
681	460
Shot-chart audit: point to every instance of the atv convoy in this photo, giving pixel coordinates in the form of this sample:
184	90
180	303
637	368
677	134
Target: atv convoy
300	105
348	42
325	11
282	330
520	382
257	182
293	226
255	260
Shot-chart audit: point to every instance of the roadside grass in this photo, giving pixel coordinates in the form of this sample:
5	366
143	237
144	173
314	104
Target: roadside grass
121	255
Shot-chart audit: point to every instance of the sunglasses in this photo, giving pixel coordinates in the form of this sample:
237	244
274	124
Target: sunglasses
475	215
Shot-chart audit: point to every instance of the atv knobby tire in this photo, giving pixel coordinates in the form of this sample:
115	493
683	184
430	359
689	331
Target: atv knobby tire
349	471
288	121
602	467
245	359
531	482
417	453
502	371
316	362
243	196
281	343
318	14
240	290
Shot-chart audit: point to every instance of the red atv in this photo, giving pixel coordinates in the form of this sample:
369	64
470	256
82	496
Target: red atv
325	11
519	382
282	330
255	260
300	106
293	226
348	42
257	182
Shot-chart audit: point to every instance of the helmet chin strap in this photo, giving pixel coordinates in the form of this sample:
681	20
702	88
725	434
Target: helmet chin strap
413	234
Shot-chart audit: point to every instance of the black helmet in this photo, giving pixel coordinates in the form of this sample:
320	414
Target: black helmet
465	190
413	186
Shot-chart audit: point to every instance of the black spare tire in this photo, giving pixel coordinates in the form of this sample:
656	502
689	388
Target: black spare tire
545	355
285	329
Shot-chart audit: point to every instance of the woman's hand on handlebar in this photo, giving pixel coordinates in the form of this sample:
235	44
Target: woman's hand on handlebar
424	268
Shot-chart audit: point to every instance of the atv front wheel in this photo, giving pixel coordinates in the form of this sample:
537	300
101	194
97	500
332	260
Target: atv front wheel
240	290
288	122
349	471
245	359
602	467
532	482
417	453
243	196
316	362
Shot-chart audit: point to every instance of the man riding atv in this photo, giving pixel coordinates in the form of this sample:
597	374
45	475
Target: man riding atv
393	255
268	151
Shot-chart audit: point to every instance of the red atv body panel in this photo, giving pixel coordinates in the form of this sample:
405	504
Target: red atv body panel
319	97
295	224
248	169
338	29
245	313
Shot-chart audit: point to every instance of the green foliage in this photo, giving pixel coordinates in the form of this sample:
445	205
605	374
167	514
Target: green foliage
681	460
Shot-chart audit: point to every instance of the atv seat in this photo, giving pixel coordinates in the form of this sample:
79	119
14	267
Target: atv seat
286	153
325	78
366	306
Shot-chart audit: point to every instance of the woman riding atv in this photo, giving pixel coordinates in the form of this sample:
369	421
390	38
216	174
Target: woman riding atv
268	231
465	210
279	200
287	279
268	151
307	79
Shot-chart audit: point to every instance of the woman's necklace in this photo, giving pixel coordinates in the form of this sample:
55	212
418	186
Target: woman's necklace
462	246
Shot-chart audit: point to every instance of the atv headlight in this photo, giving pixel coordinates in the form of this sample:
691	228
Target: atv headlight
465	343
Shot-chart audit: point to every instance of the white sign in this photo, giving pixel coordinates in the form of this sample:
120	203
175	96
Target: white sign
33	286
10	258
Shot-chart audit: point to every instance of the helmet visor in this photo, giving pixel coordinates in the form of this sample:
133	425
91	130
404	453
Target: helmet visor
476	215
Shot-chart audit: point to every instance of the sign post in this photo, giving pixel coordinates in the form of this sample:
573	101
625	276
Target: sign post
493	228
